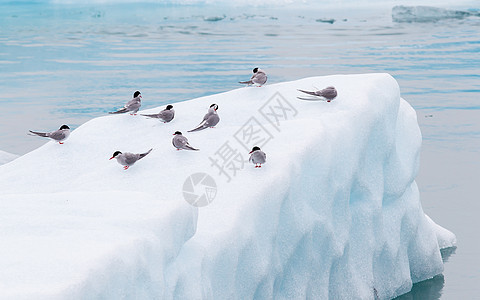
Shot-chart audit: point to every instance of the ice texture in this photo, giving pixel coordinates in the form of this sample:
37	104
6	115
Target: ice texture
333	214
6	157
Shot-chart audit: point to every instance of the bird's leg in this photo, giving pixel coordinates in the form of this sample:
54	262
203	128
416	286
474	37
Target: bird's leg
61	143
125	167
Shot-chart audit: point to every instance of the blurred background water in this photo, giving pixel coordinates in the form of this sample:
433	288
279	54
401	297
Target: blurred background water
67	62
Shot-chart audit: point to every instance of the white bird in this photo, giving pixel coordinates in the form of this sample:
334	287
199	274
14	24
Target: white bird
180	142
259	77
165	115
132	106
328	93
127	159
58	135
257	156
210	119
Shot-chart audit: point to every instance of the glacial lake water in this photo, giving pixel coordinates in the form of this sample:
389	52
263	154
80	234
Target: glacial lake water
66	63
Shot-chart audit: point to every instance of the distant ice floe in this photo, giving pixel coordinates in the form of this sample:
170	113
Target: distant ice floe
214	18
402	13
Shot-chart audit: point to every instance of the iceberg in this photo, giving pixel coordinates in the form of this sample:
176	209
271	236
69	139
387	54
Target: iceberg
333	213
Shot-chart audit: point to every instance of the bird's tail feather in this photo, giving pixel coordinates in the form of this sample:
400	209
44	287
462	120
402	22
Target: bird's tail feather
201	127
120	111
150	116
145	154
44	134
246	82
190	147
307	92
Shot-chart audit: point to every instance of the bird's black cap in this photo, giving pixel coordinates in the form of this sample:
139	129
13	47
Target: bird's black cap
169	106
255	148
255	70
64	127
177	132
116	153
136	94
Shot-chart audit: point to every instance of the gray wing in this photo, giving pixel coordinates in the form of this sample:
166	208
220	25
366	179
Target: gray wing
179	141
207	115
329	93
212	120
134	104
165	115
130	158
258	157
169	115
259	78
57	135
264	156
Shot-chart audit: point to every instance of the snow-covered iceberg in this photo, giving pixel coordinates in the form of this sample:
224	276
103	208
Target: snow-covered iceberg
334	213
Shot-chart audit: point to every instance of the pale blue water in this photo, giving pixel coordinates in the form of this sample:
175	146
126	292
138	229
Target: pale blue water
68	63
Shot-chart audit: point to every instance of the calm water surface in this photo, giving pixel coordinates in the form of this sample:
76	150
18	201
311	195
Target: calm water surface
65	64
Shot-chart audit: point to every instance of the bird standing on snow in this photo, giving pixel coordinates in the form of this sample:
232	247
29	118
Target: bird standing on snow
328	93
180	142
259	78
209	120
58	135
257	156
127	159
132	106
165	115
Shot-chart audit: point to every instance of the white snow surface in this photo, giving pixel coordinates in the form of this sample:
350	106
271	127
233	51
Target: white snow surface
334	213
6	157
